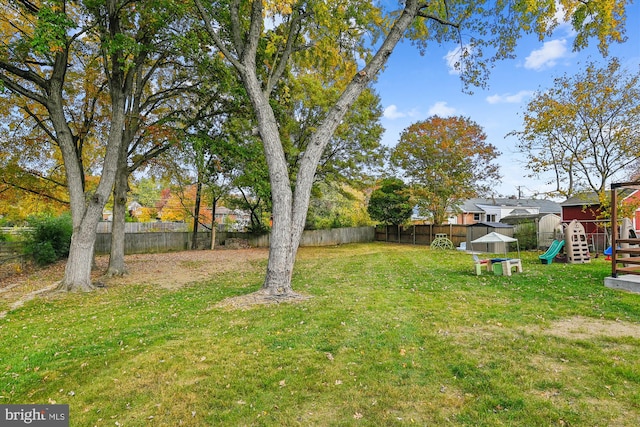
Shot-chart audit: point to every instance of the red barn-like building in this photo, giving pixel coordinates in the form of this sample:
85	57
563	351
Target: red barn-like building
586	208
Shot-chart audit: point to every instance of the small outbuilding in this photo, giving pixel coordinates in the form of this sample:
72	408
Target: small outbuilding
480	229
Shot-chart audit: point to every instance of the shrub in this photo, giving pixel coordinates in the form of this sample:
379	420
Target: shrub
49	238
527	236
43	253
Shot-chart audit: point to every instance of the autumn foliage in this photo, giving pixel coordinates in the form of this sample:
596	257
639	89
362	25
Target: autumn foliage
446	160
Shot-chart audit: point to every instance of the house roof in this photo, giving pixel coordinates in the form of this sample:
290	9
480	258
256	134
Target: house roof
519	212
515	219
491	225
592	198
544	206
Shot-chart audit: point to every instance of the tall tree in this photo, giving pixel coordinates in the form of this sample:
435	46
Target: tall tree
584	130
34	64
158	99
330	38
390	203
446	160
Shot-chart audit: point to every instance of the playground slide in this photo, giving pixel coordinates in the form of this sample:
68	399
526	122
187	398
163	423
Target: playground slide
554	249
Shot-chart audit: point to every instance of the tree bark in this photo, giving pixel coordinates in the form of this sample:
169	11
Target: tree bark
117	266
77	274
196	214
213	222
281	250
78	270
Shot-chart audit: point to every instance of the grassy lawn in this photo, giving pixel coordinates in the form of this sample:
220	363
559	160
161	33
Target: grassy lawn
394	335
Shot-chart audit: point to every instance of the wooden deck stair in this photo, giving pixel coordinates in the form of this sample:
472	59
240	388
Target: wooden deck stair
625	244
628	256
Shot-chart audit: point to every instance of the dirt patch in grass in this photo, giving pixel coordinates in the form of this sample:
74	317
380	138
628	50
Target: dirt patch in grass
176	269
167	270
574	328
580	328
243	302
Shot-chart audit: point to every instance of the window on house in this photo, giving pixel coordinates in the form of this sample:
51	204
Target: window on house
476	217
491	218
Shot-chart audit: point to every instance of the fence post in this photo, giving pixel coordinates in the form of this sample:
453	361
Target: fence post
614	232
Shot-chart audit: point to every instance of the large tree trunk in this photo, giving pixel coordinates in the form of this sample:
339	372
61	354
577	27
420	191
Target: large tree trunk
78	270
196	214
77	275
281	251
117	266
85	214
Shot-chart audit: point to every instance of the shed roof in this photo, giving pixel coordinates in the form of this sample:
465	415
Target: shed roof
543	205
491	225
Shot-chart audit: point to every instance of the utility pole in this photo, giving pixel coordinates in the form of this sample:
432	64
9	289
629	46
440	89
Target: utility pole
519	187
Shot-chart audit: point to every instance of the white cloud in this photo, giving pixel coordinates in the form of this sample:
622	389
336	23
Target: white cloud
547	55
392	113
509	98
441	109
454	58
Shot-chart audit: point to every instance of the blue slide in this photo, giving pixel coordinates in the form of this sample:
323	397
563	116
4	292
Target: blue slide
554	249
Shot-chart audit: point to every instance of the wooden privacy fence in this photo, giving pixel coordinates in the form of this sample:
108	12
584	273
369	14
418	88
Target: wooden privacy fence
150	242
420	234
145	227
153	242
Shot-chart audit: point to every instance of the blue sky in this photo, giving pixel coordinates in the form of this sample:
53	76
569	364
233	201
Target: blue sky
415	87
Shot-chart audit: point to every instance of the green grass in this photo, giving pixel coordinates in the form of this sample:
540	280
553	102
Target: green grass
394	335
